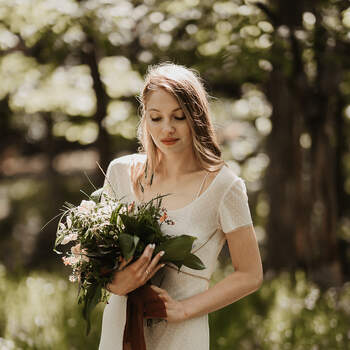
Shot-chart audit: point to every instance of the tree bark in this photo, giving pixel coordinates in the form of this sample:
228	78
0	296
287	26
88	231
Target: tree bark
90	57
301	182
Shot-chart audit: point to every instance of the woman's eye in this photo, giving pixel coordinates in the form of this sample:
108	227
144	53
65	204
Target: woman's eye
159	118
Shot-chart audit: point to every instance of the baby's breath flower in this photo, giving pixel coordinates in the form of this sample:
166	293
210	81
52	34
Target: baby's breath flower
70	260
123	209
86	206
73	278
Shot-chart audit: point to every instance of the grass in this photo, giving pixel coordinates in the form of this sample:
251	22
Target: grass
40	311
286	313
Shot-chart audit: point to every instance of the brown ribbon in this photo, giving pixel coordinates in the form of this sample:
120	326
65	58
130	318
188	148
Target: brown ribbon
142	302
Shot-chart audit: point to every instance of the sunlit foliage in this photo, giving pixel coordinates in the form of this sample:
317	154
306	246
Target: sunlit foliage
287	312
41	313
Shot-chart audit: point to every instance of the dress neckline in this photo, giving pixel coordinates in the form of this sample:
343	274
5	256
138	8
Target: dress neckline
189	204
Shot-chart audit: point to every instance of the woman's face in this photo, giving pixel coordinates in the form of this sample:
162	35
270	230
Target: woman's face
167	123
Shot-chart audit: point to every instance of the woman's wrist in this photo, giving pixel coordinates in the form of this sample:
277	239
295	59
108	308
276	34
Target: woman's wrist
186	309
114	290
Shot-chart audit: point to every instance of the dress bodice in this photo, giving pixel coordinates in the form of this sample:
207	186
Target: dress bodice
221	208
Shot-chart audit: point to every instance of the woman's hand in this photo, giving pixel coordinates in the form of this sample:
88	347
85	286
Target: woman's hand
175	309
128	278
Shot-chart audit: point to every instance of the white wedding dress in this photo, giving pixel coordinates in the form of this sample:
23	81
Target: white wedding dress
221	208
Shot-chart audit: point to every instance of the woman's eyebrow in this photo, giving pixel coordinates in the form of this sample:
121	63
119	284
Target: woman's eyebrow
157	110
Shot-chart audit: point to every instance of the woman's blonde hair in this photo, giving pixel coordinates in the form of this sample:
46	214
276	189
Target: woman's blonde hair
186	85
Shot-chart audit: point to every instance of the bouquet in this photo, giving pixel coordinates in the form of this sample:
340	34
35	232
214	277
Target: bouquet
103	230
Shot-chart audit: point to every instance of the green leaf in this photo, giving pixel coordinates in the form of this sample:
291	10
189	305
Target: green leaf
96	195
128	245
59	240
92	298
130	223
176	249
178	264
115	213
136	240
193	262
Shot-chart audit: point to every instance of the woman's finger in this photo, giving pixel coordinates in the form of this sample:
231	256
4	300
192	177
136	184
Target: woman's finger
123	263
158	267
143	261
154	262
158	290
162	294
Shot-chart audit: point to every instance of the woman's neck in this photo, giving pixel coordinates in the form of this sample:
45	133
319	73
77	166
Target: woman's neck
174	165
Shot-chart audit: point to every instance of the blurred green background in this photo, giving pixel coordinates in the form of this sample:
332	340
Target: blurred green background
278	73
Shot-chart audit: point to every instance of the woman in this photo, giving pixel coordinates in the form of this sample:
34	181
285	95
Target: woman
180	155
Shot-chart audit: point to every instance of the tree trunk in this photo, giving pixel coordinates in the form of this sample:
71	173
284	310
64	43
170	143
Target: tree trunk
301	181
90	58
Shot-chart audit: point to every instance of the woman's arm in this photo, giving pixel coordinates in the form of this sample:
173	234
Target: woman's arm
246	279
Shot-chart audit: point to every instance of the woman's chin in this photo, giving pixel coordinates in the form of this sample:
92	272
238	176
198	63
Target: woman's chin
172	150
177	148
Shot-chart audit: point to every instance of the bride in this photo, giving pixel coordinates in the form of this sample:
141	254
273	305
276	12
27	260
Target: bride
179	155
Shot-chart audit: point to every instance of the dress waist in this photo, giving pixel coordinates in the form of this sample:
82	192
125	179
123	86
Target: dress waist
188	273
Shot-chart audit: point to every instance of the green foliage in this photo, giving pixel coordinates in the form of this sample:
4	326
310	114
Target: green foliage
287	312
93	296
39	311
178	251
192	261
128	245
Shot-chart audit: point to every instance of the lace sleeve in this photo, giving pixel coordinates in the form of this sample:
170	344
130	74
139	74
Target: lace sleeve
234	209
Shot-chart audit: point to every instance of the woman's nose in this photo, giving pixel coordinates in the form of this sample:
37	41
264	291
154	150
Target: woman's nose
169	127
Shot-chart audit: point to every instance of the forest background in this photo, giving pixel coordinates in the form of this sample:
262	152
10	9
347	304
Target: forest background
278	73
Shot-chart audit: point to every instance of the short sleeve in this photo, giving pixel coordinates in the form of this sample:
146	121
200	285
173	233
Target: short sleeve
117	180
234	209
109	185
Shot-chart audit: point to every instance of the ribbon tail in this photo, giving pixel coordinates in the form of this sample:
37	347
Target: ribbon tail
134	338
142	302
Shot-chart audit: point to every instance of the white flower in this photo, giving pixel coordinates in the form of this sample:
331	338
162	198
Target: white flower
104	211
69	222
86	206
73	278
123	210
69	238
71	260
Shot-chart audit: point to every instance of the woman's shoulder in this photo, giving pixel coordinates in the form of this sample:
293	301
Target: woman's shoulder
229	175
229	180
124	161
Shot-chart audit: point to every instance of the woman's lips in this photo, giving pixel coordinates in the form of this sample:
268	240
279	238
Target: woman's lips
170	142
